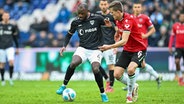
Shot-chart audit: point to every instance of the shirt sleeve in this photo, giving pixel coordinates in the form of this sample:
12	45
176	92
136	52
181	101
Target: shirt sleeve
101	20
73	27
148	22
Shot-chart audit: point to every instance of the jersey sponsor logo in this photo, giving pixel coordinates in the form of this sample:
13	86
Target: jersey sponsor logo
7	32
81	32
90	30
179	31
127	26
92	22
139	25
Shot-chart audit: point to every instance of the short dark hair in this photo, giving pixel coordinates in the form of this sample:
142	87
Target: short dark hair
116	5
105	0
83	6
137	2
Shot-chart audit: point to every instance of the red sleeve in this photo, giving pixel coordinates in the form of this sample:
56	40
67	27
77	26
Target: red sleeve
171	40
148	22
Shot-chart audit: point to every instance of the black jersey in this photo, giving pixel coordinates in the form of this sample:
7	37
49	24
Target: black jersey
108	32
7	35
89	31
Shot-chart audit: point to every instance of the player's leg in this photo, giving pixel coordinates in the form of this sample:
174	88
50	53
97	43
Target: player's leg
104	74
95	57
110	58
181	78
136	60
178	55
10	56
2	64
77	59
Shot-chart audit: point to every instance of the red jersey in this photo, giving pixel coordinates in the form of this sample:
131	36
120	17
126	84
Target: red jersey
144	23
178	32
135	42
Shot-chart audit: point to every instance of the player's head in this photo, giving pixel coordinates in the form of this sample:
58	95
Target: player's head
116	9
137	8
82	11
104	5
5	16
181	16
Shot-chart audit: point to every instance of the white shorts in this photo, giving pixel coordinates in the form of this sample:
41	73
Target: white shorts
91	55
9	53
109	56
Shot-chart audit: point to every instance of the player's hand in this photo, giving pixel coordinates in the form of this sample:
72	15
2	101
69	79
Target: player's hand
116	37
115	50
170	51
107	22
62	50
104	47
144	36
17	51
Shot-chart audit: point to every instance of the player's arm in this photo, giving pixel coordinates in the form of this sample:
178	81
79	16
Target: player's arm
68	37
15	38
150	32
171	40
122	42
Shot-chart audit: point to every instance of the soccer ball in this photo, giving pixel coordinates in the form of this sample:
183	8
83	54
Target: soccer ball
69	94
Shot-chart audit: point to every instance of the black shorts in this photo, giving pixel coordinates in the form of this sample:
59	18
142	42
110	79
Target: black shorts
127	57
179	52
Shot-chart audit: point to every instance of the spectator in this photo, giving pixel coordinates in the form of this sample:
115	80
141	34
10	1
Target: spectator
42	39
164	38
44	25
34	27
31	42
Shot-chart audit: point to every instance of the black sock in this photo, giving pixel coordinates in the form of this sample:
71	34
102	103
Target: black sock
11	71
68	75
103	72
99	81
2	74
111	75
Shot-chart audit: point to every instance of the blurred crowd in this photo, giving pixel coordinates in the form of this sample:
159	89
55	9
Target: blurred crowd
163	14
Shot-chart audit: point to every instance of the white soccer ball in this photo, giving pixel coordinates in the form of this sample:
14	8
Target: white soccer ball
69	94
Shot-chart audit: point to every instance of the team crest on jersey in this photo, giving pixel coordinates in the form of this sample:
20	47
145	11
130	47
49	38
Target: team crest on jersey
92	22
140	19
9	27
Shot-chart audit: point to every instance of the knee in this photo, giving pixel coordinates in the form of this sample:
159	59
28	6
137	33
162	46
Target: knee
131	70
177	61
95	69
73	65
117	75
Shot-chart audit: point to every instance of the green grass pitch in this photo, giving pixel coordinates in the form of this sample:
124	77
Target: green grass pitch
44	92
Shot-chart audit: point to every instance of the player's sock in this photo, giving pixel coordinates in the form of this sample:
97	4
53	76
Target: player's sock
137	71
179	73
131	82
148	68
99	81
111	75
123	79
104	73
11	71
2	74
68	75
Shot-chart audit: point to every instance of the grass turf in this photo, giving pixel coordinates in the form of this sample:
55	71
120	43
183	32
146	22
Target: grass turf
44	92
